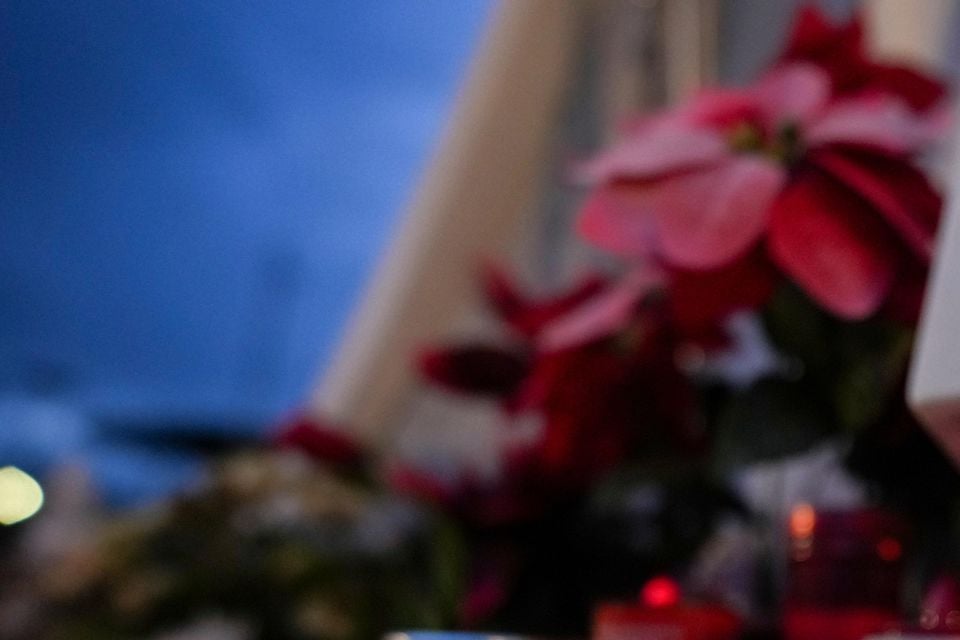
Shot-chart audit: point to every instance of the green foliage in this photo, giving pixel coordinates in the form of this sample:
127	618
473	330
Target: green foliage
854	369
773	419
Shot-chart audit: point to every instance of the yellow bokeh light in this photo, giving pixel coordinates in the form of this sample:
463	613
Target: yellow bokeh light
20	496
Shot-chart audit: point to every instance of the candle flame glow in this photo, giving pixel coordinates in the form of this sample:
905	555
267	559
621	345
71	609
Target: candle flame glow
803	519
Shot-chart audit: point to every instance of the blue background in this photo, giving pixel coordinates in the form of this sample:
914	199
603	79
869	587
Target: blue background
192	196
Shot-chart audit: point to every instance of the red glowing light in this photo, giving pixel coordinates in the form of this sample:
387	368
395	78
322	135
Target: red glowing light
889	549
803	519
659	592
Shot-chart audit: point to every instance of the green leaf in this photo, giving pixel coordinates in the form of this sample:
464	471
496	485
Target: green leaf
875	357
449	568
799	328
773	419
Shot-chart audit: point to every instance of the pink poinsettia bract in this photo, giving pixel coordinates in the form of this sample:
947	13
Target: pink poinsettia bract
826	185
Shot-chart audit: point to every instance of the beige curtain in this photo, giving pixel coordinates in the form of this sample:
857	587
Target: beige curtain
489	181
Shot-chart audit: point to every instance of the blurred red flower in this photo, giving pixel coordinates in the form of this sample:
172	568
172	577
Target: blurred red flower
828	184
474	368
839	50
599	403
321	440
598	377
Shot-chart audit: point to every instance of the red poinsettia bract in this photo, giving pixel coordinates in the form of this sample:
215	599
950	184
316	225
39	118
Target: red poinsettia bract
595	370
839	50
321	440
823	181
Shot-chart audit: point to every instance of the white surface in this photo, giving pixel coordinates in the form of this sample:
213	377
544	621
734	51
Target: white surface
934	385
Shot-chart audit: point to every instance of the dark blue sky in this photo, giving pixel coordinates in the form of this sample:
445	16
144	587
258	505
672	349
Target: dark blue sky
193	194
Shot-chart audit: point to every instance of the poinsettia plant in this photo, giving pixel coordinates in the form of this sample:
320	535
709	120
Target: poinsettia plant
799	198
791	218
795	213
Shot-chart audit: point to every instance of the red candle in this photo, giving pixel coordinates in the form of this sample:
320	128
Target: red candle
676	622
845	573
